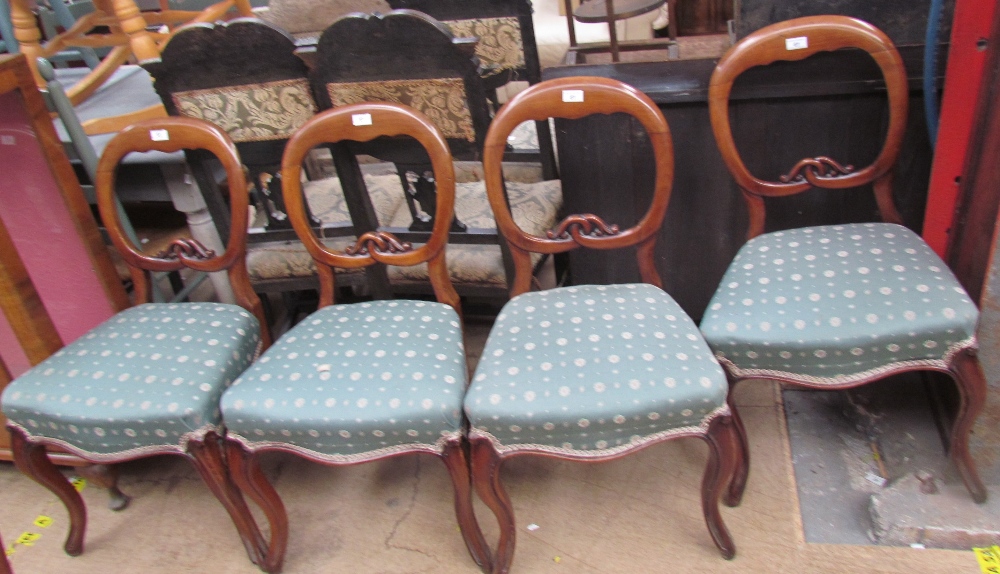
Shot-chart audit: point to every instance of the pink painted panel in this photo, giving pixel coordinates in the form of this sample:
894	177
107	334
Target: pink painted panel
38	220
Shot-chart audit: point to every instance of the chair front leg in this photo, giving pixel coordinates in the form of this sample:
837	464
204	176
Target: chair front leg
32	460
722	459
972	387
455	459
486	464
741	472
207	456
246	473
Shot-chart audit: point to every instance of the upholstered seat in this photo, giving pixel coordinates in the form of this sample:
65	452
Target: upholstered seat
356	379
143	380
837	302
535	207
593	368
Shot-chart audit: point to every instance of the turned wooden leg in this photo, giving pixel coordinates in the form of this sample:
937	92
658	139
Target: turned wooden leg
106	476
721	462
972	387
741	471
32	460
245	471
486	479
4	565
207	456
458	468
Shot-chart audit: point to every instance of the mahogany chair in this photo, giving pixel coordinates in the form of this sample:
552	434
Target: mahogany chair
835	307
354	383
591	372
148	380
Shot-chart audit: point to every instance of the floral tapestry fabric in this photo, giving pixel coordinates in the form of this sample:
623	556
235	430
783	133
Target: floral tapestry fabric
500	45
442	100
253	112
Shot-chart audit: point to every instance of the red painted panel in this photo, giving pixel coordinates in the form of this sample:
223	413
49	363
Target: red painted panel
963	78
33	210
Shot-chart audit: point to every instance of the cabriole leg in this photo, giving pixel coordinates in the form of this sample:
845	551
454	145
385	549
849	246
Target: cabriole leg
486	464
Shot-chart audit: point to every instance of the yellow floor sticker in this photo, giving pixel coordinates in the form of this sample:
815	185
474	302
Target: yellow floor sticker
989	559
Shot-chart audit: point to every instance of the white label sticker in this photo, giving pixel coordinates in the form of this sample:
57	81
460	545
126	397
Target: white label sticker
799	43
361	119
159	135
7	140
572	95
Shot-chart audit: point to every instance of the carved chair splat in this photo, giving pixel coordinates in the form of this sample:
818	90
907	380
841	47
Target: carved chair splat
416	405
836	307
522	402
135	362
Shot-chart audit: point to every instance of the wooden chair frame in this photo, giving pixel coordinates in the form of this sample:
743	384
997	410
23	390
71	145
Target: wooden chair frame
827	33
602	96
362	122
204	450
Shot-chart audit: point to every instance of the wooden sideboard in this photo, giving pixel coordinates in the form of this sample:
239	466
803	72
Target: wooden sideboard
832	104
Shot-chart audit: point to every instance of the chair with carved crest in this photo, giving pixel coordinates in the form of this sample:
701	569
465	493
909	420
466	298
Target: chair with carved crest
358	382
148	380
591	372
410	58
837	306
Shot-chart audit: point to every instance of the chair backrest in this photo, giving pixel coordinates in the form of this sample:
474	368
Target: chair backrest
573	98
409	58
244	77
170	135
796	40
365	122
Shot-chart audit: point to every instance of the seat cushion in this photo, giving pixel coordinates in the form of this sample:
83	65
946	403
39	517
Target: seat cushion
535	207
831	304
353	381
142	380
593	367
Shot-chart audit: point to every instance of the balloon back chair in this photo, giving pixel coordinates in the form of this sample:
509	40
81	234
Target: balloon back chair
591	372
353	383
148	380
835	307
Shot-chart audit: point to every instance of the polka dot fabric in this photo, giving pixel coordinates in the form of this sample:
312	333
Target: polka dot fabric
830	303
143	379
353	379
592	368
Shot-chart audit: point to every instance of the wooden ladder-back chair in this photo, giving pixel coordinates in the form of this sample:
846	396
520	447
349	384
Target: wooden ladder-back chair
837	306
113	394
410	58
591	372
354	383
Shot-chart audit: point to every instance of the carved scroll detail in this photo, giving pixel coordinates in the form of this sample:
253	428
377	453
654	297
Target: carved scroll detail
587	225
815	168
378	242
186	248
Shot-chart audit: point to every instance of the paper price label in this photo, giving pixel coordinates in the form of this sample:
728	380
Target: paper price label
361	119
798	43
159	135
572	95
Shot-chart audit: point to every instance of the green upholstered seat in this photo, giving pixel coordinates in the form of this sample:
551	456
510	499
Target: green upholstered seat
355	379
593	368
147	378
837	303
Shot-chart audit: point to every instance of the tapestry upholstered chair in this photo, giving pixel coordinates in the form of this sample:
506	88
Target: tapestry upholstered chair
148	380
837	306
591	372
353	383
245	77
409	58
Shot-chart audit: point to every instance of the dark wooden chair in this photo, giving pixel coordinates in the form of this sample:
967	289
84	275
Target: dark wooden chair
244	76
411	349
591	372
112	395
506	49
410	58
837	306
